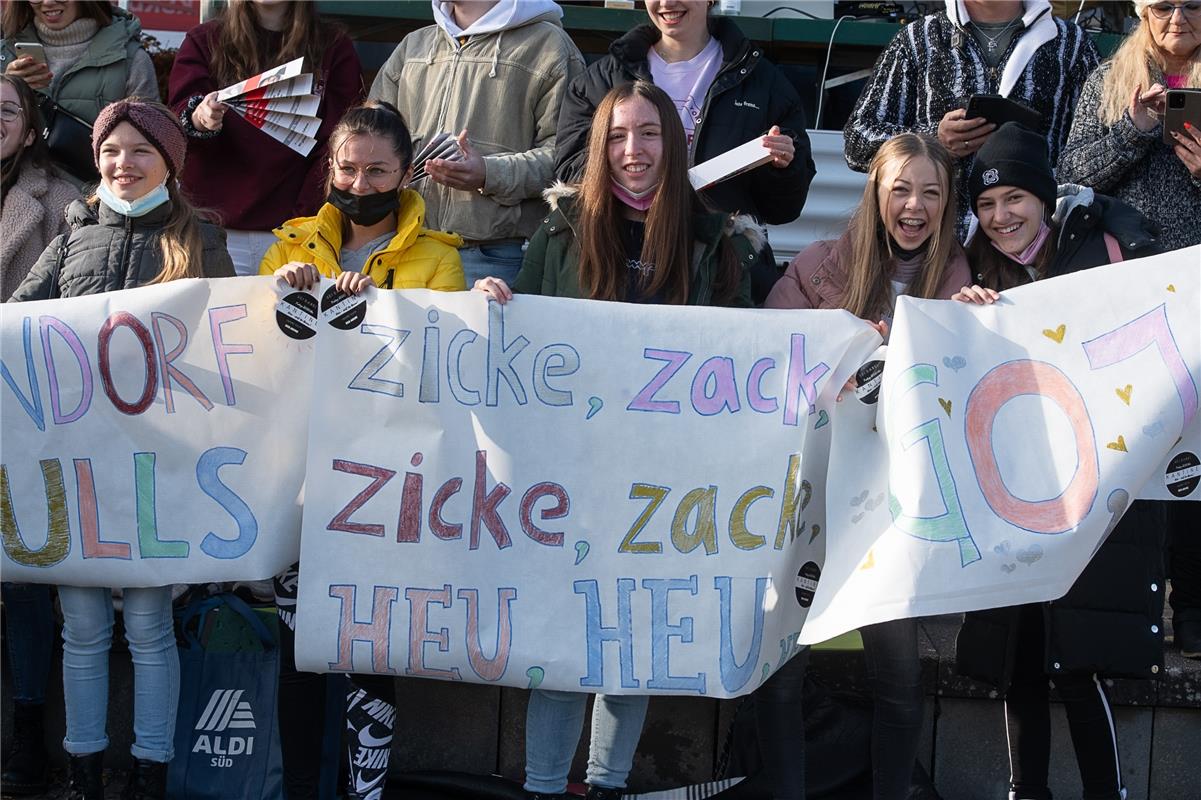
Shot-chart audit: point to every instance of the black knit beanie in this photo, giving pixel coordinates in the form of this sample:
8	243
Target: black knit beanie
1013	156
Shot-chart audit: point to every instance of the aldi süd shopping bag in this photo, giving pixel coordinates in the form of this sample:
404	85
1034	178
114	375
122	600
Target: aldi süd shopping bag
226	732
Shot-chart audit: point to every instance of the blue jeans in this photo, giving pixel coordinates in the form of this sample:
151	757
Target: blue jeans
553	723
29	630
499	259
87	637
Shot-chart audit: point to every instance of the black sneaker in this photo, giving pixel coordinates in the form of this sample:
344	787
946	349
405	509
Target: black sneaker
25	760
604	793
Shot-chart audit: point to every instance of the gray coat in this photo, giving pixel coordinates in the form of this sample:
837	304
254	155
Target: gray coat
106	251
1123	162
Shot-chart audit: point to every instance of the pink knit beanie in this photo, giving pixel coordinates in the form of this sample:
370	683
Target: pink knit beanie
153	120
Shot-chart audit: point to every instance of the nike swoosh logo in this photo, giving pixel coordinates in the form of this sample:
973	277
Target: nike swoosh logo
361	786
367	740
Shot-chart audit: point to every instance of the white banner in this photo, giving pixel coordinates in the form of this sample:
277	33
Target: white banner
593	496
151	436
564	493
1008	440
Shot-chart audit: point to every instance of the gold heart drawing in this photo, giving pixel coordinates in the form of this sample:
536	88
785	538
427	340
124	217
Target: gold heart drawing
946	405
1125	393
1057	334
1119	445
869	561
1171	287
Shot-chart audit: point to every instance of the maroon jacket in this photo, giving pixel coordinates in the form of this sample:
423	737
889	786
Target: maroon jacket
817	277
250	179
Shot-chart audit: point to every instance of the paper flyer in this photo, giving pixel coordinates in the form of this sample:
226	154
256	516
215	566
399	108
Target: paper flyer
279	102
728	164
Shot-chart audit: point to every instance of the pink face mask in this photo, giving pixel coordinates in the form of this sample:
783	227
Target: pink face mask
640	201
1026	257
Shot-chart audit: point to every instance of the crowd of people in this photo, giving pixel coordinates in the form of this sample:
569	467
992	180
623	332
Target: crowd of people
571	181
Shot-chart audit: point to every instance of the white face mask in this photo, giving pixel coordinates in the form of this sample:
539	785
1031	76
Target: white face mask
134	208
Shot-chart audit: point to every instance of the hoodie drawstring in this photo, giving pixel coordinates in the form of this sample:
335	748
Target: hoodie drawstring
495	55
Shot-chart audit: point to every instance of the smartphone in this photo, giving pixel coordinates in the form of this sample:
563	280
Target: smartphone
1183	105
999	110
33	49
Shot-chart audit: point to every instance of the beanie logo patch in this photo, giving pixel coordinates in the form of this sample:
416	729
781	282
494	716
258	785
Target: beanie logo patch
991	177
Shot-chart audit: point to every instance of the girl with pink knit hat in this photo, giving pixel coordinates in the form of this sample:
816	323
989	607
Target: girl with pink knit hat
136	229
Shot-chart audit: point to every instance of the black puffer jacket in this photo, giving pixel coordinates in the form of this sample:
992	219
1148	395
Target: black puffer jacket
1111	621
747	97
1083	217
106	251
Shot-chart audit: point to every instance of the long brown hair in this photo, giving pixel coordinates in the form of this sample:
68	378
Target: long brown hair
994	270
18	14
35	153
239	50
1130	66
181	247
869	290
669	224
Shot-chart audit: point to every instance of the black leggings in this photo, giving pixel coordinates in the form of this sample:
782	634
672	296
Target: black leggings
370	716
780	728
1028	721
894	671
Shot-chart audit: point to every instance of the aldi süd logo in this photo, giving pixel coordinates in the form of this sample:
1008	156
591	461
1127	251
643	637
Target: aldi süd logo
226	711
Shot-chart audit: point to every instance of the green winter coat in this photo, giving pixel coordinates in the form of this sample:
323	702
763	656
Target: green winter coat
552	261
100	76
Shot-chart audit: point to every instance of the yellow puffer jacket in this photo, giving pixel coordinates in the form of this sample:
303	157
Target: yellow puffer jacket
416	258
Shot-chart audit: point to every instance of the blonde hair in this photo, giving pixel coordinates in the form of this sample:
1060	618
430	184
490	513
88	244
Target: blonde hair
869	289
1130	66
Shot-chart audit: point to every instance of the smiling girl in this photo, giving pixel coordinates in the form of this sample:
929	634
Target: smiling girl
370	232
1109	622
901	240
136	230
726	93
633	230
93	53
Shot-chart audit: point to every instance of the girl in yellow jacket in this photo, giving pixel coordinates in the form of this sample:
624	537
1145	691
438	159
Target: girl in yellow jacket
369	232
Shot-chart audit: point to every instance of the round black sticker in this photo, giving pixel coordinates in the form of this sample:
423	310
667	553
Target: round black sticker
296	315
806	583
869	377
343	311
1183	474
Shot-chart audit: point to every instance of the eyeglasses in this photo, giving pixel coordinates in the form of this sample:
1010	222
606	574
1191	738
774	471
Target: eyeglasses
10	111
344	173
1191	9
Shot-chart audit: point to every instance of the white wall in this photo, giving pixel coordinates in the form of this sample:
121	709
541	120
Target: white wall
833	195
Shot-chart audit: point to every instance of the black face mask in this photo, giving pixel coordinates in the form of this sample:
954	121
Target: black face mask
364	209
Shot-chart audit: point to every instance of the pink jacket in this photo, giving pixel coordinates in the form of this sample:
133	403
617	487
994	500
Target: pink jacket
817	277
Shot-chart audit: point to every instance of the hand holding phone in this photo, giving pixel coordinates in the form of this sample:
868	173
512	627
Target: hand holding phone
1183	106
999	110
1182	127
30	65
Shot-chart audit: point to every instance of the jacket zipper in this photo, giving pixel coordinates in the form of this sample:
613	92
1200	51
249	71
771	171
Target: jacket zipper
454	68
125	254
709	95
